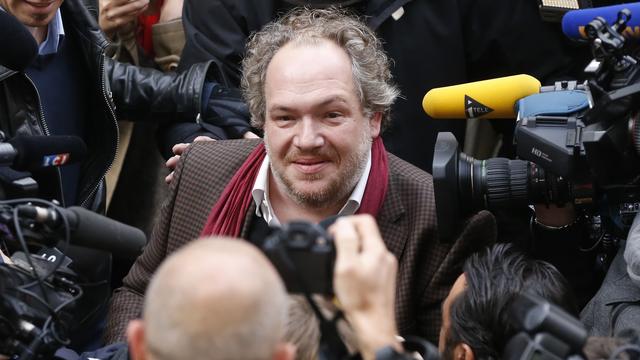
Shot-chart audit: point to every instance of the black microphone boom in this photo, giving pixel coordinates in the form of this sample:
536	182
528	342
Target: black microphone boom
29	153
90	229
19	48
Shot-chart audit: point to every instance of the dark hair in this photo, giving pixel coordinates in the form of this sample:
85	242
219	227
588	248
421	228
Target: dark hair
479	316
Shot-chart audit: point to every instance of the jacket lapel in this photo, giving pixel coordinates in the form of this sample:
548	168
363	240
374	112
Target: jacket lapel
392	220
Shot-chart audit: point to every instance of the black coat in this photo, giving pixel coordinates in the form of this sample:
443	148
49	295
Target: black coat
116	90
435	43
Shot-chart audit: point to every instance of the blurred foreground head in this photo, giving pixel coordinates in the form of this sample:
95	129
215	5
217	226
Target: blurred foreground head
476	322
214	298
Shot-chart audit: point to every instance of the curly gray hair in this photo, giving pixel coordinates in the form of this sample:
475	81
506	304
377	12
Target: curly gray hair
370	65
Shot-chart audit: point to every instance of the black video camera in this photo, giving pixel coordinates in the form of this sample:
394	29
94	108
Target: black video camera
577	143
546	332
36	312
304	255
45	297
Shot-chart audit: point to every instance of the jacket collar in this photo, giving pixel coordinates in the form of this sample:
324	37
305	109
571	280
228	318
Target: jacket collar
77	14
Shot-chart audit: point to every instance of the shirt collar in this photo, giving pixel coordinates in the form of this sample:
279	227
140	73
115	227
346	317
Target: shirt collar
55	34
260	193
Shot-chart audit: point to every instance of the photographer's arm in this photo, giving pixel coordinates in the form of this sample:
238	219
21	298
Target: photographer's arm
365	282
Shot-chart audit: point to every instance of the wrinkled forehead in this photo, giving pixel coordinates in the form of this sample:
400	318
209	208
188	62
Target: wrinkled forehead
300	64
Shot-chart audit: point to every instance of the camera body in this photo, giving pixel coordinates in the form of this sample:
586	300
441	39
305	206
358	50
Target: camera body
304	255
546	332
26	322
576	143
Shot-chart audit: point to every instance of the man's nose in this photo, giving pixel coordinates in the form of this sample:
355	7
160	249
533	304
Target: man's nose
309	134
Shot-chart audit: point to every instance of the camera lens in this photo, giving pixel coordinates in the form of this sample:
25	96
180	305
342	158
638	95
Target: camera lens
298	240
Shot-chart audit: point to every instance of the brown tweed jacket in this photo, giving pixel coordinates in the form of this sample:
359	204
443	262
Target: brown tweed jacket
407	221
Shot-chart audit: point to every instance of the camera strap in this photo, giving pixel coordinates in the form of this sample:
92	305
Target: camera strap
331	344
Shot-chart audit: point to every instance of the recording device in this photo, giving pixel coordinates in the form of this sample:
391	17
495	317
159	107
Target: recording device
576	143
546	332
29	153
22	155
87	229
19	46
486	99
574	23
39	292
304	255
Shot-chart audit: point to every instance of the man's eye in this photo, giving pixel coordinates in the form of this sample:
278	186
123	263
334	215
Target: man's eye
334	115
284	118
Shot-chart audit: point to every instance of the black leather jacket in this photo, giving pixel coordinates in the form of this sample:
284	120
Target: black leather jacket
117	89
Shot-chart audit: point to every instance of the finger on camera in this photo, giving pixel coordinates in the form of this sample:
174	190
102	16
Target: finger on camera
346	239
369	234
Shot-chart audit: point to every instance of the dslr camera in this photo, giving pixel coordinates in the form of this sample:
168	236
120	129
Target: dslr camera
304	255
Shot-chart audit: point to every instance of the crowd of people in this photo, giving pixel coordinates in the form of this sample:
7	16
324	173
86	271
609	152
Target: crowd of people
268	112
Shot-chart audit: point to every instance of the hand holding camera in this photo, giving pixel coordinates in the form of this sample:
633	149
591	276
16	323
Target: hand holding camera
364	282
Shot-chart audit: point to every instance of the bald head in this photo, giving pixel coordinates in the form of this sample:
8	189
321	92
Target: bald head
215	296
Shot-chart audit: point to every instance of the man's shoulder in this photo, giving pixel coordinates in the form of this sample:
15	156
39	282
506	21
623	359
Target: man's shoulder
220	152
406	174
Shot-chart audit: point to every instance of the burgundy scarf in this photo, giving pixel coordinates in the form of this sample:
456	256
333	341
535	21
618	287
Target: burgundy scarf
228	213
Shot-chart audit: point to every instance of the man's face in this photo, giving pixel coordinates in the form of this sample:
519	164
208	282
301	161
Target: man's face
457	288
315	132
32	13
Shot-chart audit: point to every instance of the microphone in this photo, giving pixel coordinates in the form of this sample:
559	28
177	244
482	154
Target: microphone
28	153
575	21
19	46
486	99
90	229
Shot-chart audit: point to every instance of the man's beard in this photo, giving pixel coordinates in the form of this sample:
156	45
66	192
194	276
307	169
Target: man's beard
340	186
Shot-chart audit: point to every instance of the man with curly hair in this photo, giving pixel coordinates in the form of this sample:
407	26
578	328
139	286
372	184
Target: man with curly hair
318	84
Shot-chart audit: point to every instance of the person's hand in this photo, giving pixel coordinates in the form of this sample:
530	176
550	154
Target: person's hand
364	282
116	15
178	149
170	10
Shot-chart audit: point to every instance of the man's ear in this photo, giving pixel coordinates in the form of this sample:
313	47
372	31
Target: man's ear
285	351
463	351
136	340
375	124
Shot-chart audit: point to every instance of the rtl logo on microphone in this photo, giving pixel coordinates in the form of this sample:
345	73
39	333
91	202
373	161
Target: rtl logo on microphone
55	160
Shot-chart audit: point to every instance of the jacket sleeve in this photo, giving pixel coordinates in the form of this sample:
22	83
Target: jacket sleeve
142	92
127	301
